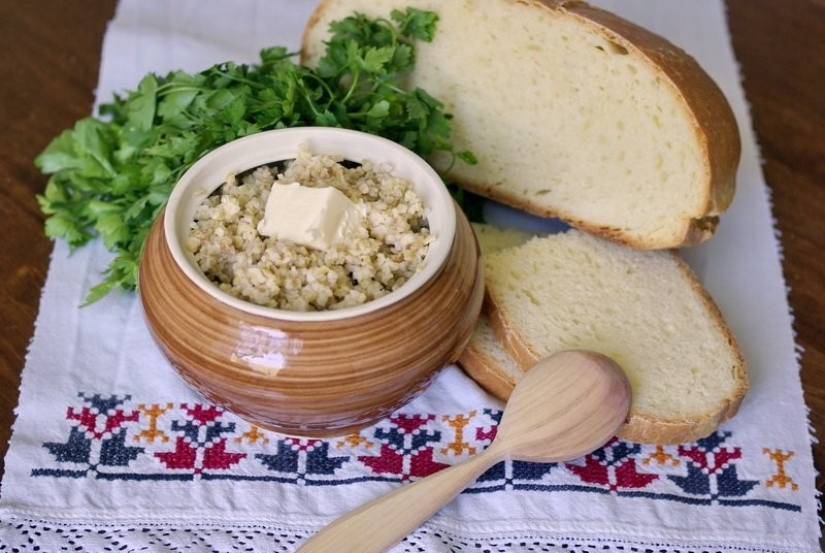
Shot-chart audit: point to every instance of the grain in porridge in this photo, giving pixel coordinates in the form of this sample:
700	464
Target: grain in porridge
379	256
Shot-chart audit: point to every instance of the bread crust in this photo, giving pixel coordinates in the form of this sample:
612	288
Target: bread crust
484	369
484	372
640	427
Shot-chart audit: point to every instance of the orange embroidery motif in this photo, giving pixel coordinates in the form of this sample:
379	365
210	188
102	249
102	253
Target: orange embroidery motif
153	413
781	478
355	440
661	458
458	423
252	436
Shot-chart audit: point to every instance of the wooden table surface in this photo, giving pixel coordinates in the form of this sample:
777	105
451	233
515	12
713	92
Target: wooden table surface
49	70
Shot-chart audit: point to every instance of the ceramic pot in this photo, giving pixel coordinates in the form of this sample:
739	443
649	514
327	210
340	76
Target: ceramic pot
320	373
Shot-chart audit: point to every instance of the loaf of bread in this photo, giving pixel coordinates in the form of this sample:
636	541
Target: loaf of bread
573	113
645	309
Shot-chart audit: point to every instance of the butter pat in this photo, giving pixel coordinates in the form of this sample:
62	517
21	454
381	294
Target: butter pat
313	217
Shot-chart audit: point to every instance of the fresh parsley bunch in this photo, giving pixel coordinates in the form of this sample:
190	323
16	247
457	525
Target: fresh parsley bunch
111	177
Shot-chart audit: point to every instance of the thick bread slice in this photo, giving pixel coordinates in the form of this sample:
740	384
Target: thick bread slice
488	363
646	310
484	359
573	113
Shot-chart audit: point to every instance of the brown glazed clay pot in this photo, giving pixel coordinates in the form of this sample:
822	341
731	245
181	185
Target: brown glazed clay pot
311	373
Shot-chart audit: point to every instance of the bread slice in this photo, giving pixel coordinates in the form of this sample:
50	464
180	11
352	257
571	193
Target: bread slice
573	113
484	359
487	362
646	310
492	238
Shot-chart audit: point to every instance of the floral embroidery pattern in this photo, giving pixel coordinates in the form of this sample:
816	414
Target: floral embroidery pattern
114	438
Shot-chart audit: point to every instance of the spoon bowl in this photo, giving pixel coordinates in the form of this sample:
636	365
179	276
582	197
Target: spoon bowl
565	406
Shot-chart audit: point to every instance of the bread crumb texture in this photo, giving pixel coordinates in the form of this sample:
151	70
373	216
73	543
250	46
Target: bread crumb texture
643	309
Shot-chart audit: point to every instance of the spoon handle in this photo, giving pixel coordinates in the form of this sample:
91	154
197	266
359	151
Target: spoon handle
381	523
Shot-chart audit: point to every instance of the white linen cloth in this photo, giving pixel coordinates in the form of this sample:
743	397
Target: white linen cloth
111	451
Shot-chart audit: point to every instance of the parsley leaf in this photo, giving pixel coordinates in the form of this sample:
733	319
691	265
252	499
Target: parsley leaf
416	23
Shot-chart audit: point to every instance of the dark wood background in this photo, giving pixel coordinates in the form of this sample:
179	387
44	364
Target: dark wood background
48	71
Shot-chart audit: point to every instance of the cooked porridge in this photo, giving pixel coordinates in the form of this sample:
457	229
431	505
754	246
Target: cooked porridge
377	257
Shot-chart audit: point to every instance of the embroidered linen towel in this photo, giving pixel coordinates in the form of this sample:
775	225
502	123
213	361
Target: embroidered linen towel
111	451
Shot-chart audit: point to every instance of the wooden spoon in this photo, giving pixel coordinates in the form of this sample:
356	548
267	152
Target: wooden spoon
566	406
